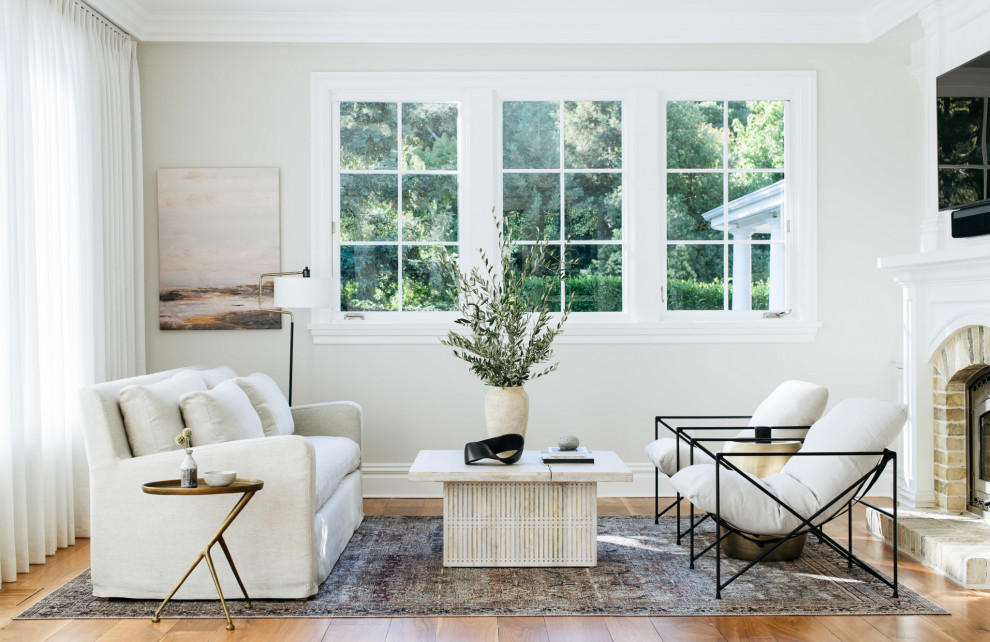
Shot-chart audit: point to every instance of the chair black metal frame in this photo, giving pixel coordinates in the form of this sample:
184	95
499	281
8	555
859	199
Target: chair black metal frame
681	434
859	488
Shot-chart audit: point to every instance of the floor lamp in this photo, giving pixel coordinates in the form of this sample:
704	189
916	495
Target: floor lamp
305	292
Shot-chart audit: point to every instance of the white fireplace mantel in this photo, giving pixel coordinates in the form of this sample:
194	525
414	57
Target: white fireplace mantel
944	291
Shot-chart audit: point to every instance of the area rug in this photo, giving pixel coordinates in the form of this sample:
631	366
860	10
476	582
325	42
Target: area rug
393	567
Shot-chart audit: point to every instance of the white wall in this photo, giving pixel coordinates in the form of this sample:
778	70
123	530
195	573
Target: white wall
230	105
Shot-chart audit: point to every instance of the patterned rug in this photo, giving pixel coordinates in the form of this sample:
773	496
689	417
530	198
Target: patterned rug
392	567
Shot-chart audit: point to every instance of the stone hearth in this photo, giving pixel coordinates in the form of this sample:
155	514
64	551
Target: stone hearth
957	544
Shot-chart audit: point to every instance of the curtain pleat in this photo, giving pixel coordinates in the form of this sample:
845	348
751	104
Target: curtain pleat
71	272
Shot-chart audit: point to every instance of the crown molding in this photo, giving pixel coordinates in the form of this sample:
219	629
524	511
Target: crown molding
654	27
130	15
883	15
495	28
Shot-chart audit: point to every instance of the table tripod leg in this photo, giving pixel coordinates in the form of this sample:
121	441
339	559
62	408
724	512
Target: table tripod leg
154	618
218	537
216	581
230	560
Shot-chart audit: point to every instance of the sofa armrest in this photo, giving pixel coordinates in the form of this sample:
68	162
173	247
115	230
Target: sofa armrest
336	419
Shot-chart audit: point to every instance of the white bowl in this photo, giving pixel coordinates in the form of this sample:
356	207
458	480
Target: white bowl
219	478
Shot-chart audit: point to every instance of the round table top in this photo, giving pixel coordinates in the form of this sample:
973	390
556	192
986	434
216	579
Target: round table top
761	447
174	487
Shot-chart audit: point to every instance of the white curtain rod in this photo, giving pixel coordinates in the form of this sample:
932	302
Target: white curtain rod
102	18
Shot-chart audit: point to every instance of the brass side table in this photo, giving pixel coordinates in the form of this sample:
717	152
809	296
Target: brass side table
173	487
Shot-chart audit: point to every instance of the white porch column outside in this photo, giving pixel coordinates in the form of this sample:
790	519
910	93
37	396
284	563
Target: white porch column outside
742	270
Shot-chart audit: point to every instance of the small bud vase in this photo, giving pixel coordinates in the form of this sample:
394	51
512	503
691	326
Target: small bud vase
188	471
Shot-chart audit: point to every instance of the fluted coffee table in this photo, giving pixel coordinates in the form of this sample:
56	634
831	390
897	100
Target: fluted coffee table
523	514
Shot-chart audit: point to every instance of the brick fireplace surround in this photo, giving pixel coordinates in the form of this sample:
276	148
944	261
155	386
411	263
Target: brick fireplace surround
962	355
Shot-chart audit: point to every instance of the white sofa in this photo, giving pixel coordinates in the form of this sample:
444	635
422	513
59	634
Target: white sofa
284	543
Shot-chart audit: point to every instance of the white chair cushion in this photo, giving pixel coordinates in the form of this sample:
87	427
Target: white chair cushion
269	403
792	403
222	414
805	483
663	454
744	505
217	375
152	418
336	457
854	425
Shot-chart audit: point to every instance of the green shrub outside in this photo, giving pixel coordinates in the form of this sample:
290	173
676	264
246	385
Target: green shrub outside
683	294
588	293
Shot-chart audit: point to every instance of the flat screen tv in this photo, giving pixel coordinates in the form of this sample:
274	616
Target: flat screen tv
963	136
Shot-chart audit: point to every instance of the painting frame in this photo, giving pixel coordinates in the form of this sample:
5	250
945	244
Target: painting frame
219	230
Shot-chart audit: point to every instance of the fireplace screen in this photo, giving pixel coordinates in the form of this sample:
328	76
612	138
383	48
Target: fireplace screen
978	443
985	447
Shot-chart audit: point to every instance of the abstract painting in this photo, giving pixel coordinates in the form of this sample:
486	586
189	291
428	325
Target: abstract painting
218	231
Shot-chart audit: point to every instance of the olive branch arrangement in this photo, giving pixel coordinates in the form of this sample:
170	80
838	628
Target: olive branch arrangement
511	330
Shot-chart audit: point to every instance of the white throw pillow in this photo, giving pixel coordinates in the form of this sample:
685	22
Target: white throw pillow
222	414
269	403
214	376
152	418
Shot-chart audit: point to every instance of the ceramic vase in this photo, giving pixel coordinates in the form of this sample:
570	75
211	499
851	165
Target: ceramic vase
188	471
506	411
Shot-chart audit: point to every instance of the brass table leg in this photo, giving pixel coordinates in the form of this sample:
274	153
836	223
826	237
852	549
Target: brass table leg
218	537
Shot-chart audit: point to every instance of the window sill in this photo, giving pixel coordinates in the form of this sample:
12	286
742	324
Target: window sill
698	331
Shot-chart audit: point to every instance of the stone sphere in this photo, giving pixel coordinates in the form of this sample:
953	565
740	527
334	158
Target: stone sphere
568	442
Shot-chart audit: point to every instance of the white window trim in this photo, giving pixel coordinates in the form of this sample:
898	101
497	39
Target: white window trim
644	94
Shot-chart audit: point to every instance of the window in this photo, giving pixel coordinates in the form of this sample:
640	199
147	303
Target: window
725	205
398	190
681	204
562	181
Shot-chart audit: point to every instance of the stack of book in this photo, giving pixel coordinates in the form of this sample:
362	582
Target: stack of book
555	455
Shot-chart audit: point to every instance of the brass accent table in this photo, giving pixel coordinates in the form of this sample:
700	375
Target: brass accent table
740	547
173	487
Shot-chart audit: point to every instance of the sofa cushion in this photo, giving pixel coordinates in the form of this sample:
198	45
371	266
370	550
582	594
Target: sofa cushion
215	376
336	457
152	418
269	403
222	414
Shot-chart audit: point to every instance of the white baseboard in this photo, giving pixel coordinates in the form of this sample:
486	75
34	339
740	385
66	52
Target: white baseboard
392	480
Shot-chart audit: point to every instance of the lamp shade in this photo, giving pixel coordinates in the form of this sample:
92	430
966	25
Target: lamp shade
303	292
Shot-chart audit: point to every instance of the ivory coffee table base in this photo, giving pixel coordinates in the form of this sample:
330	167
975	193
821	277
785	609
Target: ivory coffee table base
520	524
525	514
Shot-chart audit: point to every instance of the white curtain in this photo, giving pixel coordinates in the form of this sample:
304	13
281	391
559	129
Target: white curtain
71	239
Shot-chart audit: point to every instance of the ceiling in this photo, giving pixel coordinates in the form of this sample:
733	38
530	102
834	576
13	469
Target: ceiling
511	21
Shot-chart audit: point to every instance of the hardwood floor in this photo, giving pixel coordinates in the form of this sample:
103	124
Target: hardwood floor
969	622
